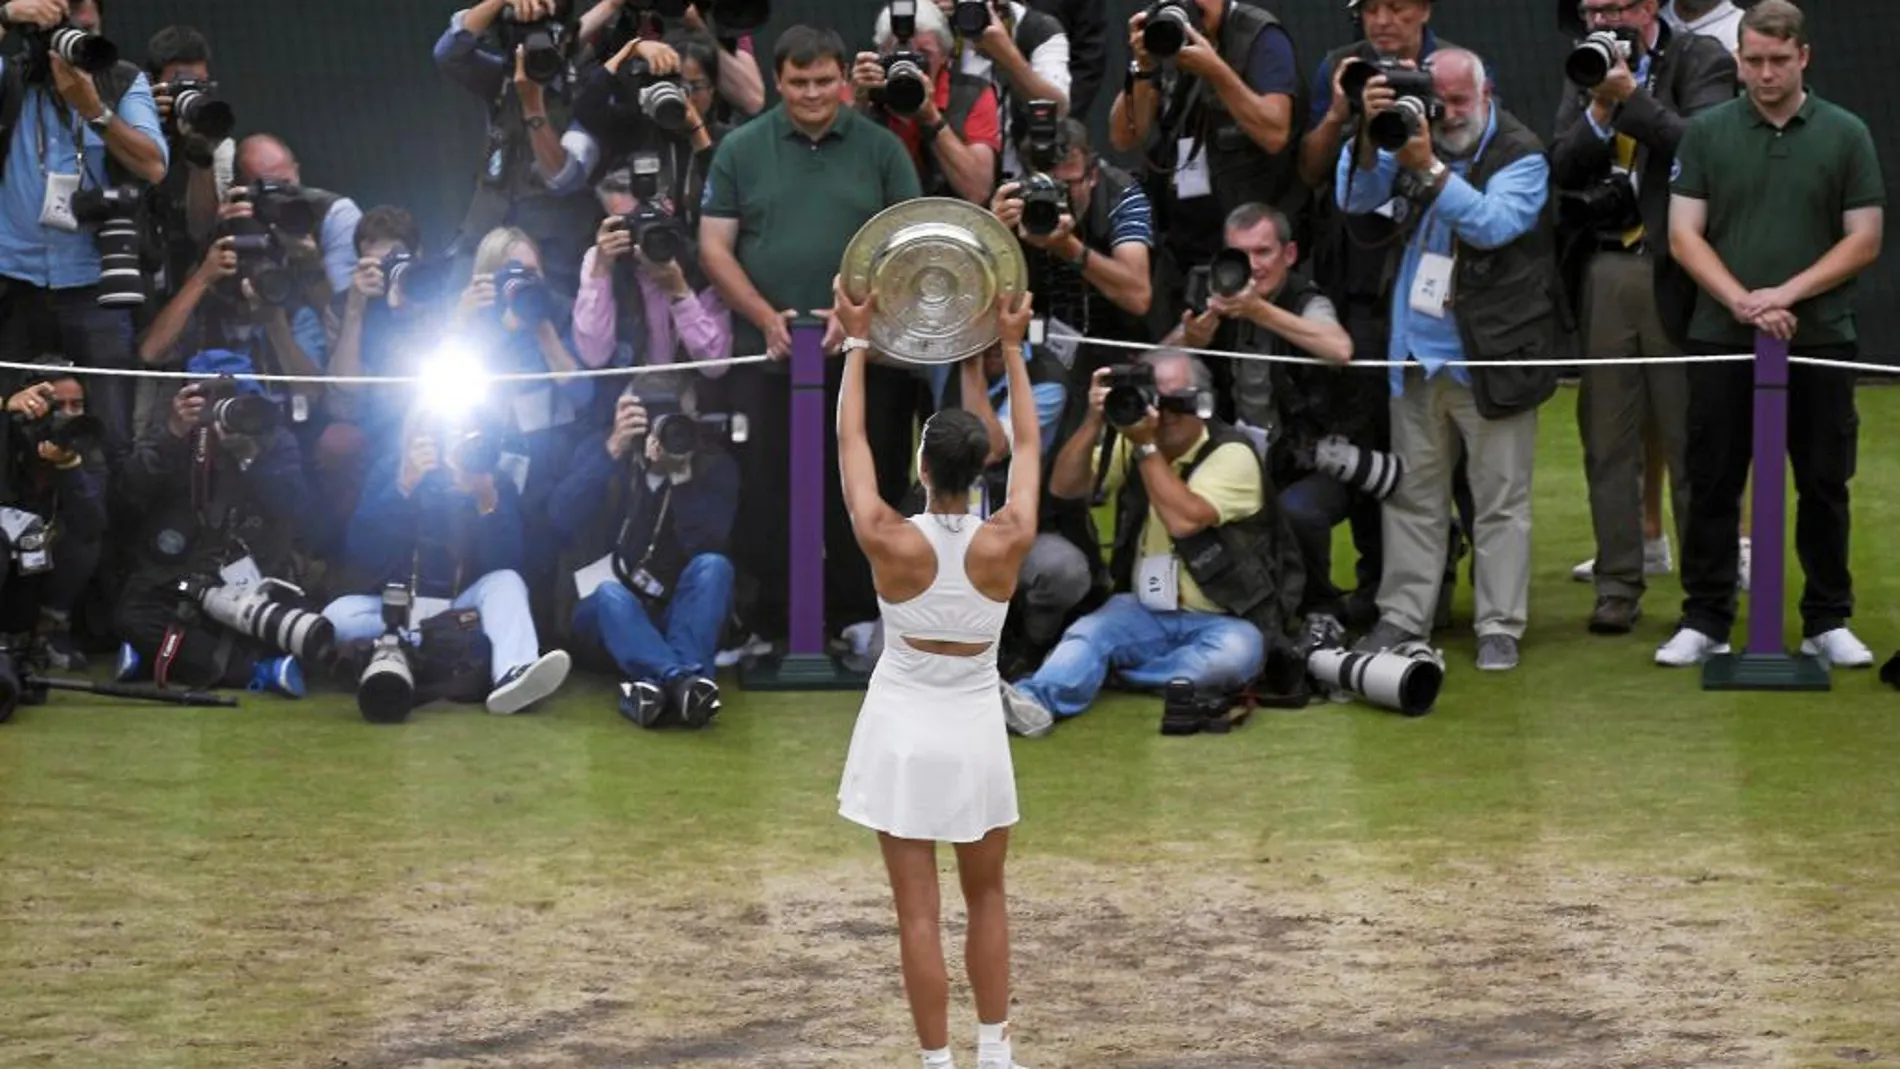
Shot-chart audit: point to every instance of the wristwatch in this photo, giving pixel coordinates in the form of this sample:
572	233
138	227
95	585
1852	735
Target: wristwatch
1431	176
101	121
852	345
535	122
1135	73
1145	450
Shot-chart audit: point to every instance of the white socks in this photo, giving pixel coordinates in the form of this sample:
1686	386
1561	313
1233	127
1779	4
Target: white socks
938	1059
992	1046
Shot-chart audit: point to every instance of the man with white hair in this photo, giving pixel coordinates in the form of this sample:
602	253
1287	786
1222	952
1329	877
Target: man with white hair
1472	185
955	136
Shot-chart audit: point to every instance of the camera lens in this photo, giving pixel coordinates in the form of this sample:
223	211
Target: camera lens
1591	61
1230	272
675	433
1165	32
665	104
1390	130
660	241
198	112
971	17
246	414
87	51
1125	406
542	62
904	87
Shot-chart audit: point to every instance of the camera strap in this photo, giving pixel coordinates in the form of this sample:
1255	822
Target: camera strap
621	572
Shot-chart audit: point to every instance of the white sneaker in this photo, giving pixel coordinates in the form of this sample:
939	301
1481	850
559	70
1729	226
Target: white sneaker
1747	557
529	683
1839	648
1657	560
1585	572
1024	715
753	646
1688	647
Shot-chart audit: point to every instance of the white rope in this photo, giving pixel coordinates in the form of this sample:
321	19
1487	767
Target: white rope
1566	362
1845	365
387	380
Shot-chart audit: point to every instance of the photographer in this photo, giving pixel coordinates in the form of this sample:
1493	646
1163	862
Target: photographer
633	310
954	132
1018	51
1091	273
485	50
1475	227
1196	537
656	603
69	136
317	227
184	207
732	71
1086	24
1289	409
1217	122
623	113
1610	164
439	522
219	490
52	513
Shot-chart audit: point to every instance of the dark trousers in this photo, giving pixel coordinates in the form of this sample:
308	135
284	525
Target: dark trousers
760	535
148	607
70	323
1823	439
1365	321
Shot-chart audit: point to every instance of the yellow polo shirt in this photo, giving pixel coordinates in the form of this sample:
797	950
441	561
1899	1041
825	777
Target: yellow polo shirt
1229	479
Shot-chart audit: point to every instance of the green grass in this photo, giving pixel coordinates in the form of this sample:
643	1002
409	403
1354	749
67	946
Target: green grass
167	876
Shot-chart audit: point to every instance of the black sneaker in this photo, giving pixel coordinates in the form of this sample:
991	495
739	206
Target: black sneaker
695	699
642	703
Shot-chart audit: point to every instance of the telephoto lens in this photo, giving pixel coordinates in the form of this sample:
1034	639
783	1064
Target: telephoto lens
1229	273
677	434
905	87
88	52
195	110
247	414
1131	393
970	17
415	280
1390	130
113	212
386	691
1596	55
254	611
660	237
1166	31
664	102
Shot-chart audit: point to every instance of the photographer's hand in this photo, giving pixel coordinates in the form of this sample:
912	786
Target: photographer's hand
527	90
630	424
1198	57
237	204
1098	395
660	57
668	276
1417	155
76	88
1137	51
188	410
45	14
367	282
867	76
479	297
1379	95
1619	85
1197	331
611	242
63	459
32	402
1061	241
1007	206
422	458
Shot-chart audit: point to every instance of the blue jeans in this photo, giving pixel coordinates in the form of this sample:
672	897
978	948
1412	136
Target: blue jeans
615	619
1147	650
1314	506
500	597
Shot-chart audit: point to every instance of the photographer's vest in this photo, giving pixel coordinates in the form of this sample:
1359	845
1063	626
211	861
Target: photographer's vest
1060	290
965	91
1506	300
112	85
1260	388
1349	252
1239	169
1250	568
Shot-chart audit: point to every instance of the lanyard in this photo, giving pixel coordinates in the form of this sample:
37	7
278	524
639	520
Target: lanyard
79	139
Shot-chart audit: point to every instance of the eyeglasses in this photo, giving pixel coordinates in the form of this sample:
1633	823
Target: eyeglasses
698	85
1588	12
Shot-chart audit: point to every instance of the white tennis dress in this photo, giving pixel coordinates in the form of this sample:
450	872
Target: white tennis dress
929	758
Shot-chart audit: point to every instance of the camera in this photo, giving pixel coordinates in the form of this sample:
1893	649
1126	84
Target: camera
250	415
1390	130
1200	287
282	205
1403	81
1045	201
26	541
1596	55
63	430
113	212
970	17
1610	205
420	281
681	435
1131	393
254	611
659	236
472	452
1229	273
196	110
542	42
88	52
1166	31
520	289
1369	470
265	264
386	690
906	86
1190	710
660	98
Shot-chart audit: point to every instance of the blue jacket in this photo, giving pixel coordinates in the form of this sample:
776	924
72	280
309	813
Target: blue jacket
433	532
699	515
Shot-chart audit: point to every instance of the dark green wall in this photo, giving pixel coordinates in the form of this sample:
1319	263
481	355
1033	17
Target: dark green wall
350	85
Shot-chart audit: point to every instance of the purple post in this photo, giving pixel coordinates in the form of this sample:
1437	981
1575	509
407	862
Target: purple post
807	542
1771	498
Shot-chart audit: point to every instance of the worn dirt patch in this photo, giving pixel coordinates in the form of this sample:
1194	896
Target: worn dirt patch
1137	967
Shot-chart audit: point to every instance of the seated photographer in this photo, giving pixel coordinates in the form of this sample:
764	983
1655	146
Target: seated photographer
948	121
1482	237
660	498
529	104
637	310
439	520
1197	536
219	491
52	512
316	226
55	292
622	112
1087	244
1289	409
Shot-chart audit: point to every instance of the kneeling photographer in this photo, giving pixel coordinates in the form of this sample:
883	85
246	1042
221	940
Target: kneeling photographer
1630	87
1209	574
659	495
52	515
219	490
1087	236
1314	425
439	534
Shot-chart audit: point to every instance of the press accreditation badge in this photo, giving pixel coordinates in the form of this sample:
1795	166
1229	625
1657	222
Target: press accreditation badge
1431	287
1191	177
56	210
594	576
1158	583
241	573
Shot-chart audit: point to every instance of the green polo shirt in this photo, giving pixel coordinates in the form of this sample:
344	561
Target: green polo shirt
799	201
1775	200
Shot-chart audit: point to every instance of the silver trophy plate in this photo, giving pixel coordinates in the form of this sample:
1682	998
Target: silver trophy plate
938	266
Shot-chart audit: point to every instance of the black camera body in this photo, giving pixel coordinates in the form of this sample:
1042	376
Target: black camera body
520	289
1596	55
1044	142
971	17
1045	202
197	111
544	43
683	435
656	98
906	78
1416	106
282	205
659	236
265	264
1165	32
73	432
1190	710
421	281
1131	393
233	412
1610	206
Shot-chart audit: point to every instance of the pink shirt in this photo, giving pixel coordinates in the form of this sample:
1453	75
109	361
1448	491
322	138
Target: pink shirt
701	323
